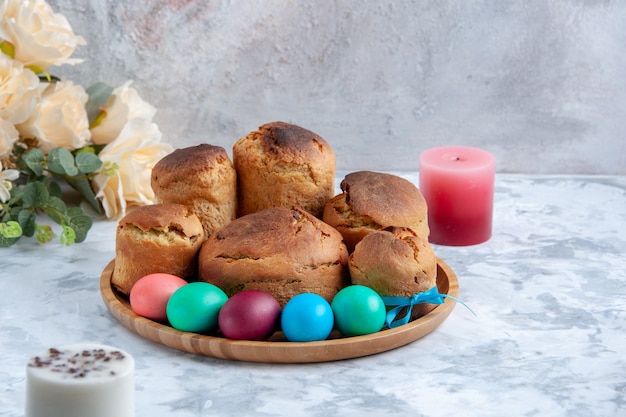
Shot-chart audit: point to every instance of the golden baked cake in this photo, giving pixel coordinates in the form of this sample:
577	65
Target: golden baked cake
282	251
283	165
156	238
202	178
372	201
395	262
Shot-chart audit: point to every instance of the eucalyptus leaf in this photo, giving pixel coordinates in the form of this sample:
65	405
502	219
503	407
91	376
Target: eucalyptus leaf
13	214
44	233
27	219
33	159
54	189
10	229
61	162
81	225
74	211
35	194
99	94
87	162
68	236
83	186
5	242
56	209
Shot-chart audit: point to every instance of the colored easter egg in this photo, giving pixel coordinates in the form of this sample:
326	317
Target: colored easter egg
307	317
249	315
358	310
150	294
195	307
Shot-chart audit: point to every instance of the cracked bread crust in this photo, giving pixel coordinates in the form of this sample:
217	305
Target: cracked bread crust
372	201
282	251
201	177
156	238
395	262
283	165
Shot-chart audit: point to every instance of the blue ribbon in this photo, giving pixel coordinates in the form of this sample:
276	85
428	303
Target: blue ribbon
431	296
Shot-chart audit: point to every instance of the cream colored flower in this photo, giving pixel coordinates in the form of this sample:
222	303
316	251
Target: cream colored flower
134	152
18	90
8	137
6	176
123	105
60	119
41	38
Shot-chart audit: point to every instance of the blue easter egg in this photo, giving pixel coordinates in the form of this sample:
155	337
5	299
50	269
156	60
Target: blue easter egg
307	317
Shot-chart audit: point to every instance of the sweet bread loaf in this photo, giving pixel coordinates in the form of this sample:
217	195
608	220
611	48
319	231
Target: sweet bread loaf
283	165
156	238
202	178
395	262
372	201
282	251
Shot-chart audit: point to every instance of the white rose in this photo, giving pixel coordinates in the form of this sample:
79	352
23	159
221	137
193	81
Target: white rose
8	137
41	38
6	178
60	119
123	105
18	90
135	152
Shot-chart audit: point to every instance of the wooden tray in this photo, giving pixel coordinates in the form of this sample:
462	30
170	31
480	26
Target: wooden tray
277	349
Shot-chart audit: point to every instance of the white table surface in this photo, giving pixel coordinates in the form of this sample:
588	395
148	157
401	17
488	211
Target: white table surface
549	338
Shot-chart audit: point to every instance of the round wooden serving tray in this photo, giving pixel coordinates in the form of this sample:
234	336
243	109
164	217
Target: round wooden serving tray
278	349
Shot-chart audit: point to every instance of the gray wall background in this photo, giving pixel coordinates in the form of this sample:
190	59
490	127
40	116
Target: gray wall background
539	83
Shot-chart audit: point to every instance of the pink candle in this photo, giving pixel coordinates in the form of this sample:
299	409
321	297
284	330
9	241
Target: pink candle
457	183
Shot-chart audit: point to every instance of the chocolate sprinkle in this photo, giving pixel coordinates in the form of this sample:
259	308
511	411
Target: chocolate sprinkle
80	364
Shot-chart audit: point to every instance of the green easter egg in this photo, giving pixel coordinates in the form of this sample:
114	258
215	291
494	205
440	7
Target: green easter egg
195	307
358	310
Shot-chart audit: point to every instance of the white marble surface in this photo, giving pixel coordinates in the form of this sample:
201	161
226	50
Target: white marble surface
549	290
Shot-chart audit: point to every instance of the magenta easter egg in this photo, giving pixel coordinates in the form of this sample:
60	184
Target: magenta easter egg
150	294
249	315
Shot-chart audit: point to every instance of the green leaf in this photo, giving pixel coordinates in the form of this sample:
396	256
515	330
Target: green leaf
74	211
56	209
81	225
61	162
28	220
55	190
47	77
33	159
41	72
99	94
110	168
35	194
68	236
44	233
90	149
87	162
83	186
8	49
10	229
5	242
